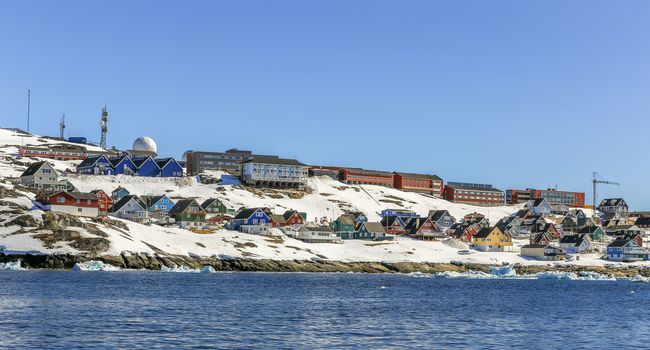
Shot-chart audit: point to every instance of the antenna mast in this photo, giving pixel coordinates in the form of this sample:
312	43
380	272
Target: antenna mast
62	127
29	102
104	124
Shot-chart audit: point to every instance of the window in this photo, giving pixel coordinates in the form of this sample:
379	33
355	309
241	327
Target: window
79	210
60	199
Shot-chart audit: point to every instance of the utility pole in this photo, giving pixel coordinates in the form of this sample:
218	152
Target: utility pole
595	183
29	102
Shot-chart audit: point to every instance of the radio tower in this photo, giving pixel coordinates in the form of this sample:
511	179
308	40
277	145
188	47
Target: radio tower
104	124
62	127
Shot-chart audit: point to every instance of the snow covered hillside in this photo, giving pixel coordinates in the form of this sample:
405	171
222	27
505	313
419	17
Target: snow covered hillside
24	229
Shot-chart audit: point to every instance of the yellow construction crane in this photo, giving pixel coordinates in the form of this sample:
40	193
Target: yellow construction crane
595	182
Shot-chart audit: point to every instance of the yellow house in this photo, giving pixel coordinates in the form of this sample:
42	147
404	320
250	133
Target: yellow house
492	239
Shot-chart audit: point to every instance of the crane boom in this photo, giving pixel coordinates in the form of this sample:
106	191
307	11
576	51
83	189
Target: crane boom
595	182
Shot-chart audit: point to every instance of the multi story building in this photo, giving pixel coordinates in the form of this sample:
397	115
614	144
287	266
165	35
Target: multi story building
613	206
42	176
475	194
358	176
553	196
422	183
198	161
271	171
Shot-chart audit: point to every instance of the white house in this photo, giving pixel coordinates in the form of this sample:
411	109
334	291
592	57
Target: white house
267	171
575	244
130	208
43	176
317	234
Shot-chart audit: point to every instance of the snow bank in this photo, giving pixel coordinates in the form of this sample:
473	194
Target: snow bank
94	265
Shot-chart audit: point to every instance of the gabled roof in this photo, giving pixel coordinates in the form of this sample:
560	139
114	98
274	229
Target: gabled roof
183	204
390	221
374	227
97	191
643	221
273	160
119	188
208	202
75	195
537	202
612	202
126	199
346	219
33	168
155	199
162	162
138	161
588	229
356	214
89	161
287	214
535	246
576	239
117	160
438	214
484	232
277	218
619	242
321	228
246	213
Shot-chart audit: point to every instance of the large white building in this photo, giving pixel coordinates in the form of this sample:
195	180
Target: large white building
264	171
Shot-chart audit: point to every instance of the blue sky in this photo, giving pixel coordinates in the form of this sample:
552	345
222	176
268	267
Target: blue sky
514	93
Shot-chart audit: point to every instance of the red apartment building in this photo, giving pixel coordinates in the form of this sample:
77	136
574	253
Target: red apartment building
422	183
553	196
474	194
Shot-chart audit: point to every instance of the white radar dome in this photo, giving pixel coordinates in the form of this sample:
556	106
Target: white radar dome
145	144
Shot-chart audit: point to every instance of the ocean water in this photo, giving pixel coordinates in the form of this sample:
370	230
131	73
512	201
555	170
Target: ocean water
149	310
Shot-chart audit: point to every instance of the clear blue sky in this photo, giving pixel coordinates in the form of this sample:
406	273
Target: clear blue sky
514	93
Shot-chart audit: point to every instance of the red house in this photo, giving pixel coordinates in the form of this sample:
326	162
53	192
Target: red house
105	201
465	234
292	217
422	183
73	203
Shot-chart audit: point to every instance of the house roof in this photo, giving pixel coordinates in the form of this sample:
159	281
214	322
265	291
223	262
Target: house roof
619	242
273	160
367	172
138	161
97	191
246	213
576	239
588	229
437	215
346	219
208	202
162	162
122	202
356	214
484	232
374	227
119	188
33	168
277	218
644	221
89	161
534	246
537	202
389	220
155	199
181	205
321	228
287	214
418	176
611	202
117	159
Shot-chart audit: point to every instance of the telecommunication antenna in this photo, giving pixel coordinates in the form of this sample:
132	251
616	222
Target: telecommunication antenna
104	125
62	127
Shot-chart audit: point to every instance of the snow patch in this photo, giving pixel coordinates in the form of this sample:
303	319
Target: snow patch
12	266
94	265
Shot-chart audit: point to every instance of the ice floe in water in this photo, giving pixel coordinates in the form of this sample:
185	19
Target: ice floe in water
503	271
418	274
469	275
176	268
12	266
94	265
208	269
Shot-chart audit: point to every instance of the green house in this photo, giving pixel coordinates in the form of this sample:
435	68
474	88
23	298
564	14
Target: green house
595	232
214	206
343	227
188	214
372	231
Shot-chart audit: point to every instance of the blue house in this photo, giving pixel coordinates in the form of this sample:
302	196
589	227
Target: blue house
123	165
169	167
159	204
119	193
95	165
249	216
401	213
373	231
359	217
146	166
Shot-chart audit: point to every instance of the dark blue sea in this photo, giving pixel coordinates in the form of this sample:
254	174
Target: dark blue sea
155	310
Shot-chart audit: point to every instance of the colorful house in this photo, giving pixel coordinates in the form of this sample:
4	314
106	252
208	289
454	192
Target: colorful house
343	226
371	231
169	167
442	219
293	218
214	206
73	203
423	228
576	244
123	165
402	213
105	201
147	166
188	214
278	220
131	208
595	232
464	233
542	252
626	250
160	203
95	165
393	224
359	217
42	176
250	216
119	193
539	206
317	234
492	239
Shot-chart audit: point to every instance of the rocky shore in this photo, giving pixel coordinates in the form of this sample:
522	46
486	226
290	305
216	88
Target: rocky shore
155	262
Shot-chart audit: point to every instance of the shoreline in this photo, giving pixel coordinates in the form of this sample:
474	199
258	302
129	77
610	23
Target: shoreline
148	262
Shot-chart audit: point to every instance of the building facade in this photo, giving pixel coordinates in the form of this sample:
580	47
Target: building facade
421	183
73	203
553	196
199	161
42	176
263	171
474	194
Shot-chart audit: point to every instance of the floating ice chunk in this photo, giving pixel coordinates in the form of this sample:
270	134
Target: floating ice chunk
639	278
208	269
554	275
176	268
12	266
418	274
503	271
94	265
469	274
